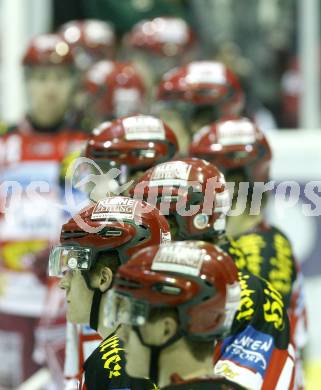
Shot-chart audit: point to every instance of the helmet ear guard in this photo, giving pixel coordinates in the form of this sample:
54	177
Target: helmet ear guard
200	221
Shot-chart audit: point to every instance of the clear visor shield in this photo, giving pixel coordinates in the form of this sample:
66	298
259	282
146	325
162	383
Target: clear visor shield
64	258
123	310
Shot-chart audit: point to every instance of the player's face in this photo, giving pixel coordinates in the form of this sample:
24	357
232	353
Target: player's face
201	118
138	355
78	297
173	227
145	69
236	178
49	90
175	120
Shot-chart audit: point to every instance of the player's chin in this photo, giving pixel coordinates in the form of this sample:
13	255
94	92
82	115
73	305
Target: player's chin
134	370
74	316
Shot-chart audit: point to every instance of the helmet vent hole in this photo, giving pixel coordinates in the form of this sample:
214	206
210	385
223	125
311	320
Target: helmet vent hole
167	289
110	233
127	283
67	235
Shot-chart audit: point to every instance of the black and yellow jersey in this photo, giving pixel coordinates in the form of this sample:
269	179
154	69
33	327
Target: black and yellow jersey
105	368
266	252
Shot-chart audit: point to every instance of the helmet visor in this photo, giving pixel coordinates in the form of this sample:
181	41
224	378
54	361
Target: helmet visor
64	258
124	310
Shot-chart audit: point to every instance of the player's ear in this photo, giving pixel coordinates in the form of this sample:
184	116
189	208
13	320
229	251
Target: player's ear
105	279
169	328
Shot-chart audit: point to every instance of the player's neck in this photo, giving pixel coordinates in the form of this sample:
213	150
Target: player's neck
178	359
102	329
240	224
45	123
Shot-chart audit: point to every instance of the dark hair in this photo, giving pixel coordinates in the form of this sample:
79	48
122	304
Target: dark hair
108	259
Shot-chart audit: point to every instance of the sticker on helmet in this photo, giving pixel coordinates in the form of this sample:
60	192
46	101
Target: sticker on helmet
98	33
236	132
174	173
114	207
206	72
47	42
166	237
98	72
72	34
127	101
143	127
171	31
179	258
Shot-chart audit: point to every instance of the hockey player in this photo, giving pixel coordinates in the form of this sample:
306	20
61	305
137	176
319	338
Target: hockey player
90	40
92	246
132	144
194	195
178	299
30	197
241	151
158	45
109	89
195	94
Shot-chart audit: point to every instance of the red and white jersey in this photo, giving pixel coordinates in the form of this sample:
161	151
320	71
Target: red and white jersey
81	341
32	211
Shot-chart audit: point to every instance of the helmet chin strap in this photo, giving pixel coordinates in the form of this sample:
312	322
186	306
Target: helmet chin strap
155	352
95	305
94	311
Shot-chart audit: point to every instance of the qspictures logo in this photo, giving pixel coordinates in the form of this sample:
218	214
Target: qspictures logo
85	177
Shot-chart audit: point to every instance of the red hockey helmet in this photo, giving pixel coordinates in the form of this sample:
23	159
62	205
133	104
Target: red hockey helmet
117	223
116	87
191	190
200	83
199	279
163	36
235	143
90	40
136	141
48	49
